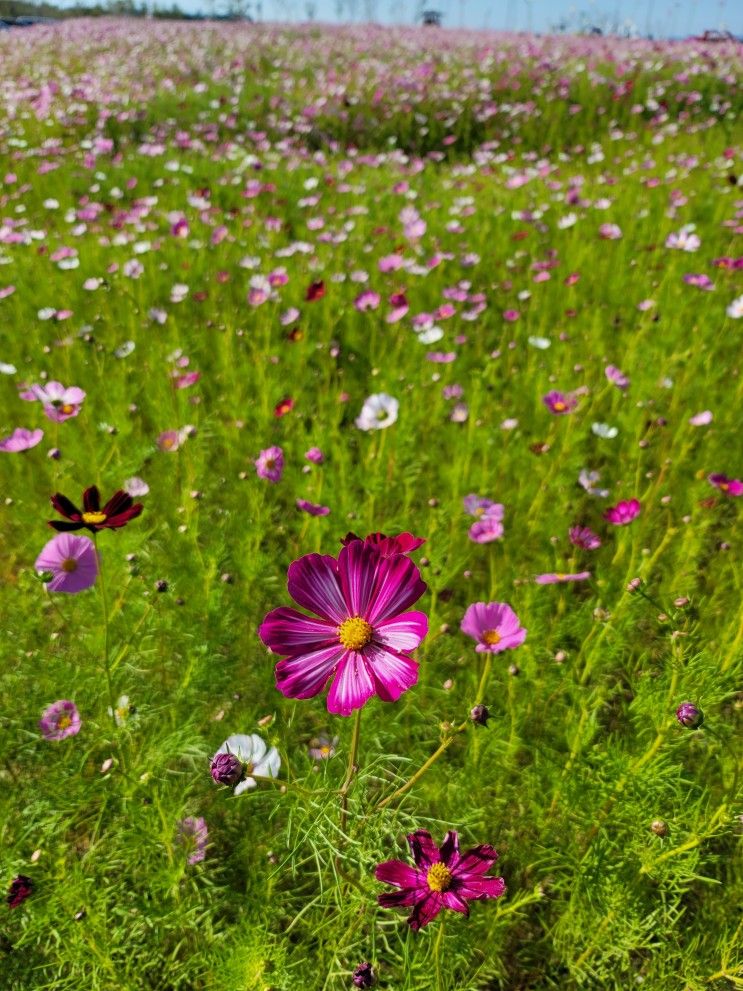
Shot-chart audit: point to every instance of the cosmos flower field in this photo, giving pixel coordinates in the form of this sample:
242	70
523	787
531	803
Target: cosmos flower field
370	445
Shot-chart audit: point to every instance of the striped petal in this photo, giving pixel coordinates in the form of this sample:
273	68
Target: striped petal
402	633
313	583
287	631
352	686
304	676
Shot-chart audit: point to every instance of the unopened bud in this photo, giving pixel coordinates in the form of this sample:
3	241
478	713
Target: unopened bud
659	827
480	714
363	976
690	715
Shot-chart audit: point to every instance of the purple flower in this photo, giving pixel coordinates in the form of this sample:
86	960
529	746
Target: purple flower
488	527
315	455
560	403
322	747
226	769
21	440
442	878
477	507
60	720
59	403
494	625
193	834
270	464
169	440
312	508
623	512
363	976
617	378
559	578
21	887
72	562
583	536
363	636
690	715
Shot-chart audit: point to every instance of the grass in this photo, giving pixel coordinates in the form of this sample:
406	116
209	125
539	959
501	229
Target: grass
583	751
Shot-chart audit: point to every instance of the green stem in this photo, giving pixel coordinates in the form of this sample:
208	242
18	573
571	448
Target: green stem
351	769
104	610
437	957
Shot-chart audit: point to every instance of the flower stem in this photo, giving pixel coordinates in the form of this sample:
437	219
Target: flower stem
351	769
104	610
437	956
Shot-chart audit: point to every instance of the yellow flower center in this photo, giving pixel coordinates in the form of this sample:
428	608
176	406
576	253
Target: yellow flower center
559	406
64	722
439	877
69	565
724	486
68	408
354	633
93	517
491	637
325	750
560	576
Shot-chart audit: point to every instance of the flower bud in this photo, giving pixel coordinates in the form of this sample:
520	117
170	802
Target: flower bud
363	976
634	584
480	715
690	715
226	769
22	886
659	827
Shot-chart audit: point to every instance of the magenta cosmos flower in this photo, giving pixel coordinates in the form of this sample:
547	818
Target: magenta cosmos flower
59	403
313	508
583	536
21	440
60	720
494	625
442	878
363	634
560	578
489	527
623	512
403	543
730	486
270	464
560	403
71	561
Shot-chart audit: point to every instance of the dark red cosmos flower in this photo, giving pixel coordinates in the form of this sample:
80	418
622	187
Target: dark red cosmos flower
316	290
285	406
442	878
403	543
19	890
116	513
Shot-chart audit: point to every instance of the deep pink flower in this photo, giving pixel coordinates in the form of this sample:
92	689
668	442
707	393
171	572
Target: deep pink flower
21	440
442	878
270	464
312	508
730	486
72	562
560	403
402	543
21	888
494	625
315	455
559	578
60	719
363	635
623	512
367	300
583	536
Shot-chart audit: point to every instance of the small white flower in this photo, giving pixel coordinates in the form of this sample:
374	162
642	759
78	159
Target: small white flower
125	349
735	310
701	419
587	479
431	335
604	430
6	369
258	760
540	342
136	486
378	412
122	712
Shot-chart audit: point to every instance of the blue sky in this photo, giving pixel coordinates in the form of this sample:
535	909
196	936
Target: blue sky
662	18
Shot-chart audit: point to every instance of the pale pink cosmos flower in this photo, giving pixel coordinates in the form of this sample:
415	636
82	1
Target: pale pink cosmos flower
494	625
270	464
315	455
60	720
583	536
21	440
59	403
367	300
616	377
623	512
487	529
71	561
560	403
560	578
701	419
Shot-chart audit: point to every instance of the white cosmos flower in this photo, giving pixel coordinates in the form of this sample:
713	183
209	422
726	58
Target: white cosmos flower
540	342
136	486
735	310
604	430
379	411
431	335
255	756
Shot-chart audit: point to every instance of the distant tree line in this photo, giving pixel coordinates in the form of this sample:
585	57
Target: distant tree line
12	10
